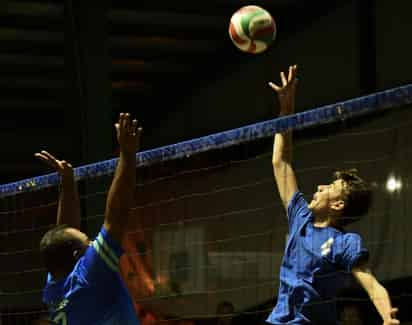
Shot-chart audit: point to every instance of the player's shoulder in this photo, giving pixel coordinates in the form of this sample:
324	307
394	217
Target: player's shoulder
298	201
104	242
346	239
298	205
350	236
297	197
104	250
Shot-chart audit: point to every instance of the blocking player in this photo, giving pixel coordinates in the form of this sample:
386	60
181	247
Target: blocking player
83	284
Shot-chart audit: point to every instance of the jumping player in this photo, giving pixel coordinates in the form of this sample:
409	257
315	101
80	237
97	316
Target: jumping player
319	253
83	284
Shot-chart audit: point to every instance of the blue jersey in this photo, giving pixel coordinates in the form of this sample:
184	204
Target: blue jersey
93	293
315	266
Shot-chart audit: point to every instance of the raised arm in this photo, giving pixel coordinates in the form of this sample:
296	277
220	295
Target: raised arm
282	146
68	211
121	194
377	294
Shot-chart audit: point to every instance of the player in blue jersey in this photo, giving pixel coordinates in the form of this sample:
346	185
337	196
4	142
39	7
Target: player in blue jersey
319	253
83	283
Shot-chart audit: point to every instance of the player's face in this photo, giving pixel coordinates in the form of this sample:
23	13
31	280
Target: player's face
328	198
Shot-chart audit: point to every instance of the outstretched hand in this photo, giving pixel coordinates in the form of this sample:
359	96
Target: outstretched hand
128	134
392	318
64	168
287	90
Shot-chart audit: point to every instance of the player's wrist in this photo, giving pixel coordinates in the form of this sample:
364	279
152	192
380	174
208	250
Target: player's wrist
128	155
286	111
67	179
286	103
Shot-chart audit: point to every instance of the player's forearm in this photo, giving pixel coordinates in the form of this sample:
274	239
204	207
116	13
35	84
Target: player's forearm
68	211
282	167
380	298
282	145
127	180
282	150
121	194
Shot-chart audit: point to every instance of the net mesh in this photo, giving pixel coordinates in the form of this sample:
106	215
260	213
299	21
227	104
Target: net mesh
209	230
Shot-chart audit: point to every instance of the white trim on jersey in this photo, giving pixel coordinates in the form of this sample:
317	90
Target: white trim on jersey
106	253
107	249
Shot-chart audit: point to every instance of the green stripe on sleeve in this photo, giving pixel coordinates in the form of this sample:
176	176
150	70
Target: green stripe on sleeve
104	257
107	249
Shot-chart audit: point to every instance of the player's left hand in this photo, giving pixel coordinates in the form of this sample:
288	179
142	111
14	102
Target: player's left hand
391	319
128	134
64	168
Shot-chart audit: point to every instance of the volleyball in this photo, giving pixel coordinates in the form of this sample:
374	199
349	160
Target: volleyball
252	29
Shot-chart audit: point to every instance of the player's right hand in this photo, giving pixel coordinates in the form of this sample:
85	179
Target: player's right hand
128	134
391	319
64	168
287	90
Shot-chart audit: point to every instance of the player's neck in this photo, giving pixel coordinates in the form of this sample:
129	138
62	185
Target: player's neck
321	224
322	221
325	218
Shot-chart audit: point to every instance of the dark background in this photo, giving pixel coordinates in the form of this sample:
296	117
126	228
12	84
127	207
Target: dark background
69	67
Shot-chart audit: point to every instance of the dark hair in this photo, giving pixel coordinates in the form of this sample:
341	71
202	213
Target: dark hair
357	196
57	248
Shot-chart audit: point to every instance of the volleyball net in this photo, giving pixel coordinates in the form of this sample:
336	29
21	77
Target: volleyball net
209	229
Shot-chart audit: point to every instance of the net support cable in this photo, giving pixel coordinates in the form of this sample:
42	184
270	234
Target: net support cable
382	100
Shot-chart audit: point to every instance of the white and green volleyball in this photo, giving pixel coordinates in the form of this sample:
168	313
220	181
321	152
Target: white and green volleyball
252	29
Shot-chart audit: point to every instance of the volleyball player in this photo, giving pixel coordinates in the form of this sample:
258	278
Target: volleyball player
319	253
83	285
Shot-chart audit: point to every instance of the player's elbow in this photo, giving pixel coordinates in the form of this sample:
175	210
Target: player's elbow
377	291
281	161
282	170
374	289
277	163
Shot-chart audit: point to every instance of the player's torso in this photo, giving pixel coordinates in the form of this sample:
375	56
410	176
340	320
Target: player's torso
310	252
309	275
94	306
